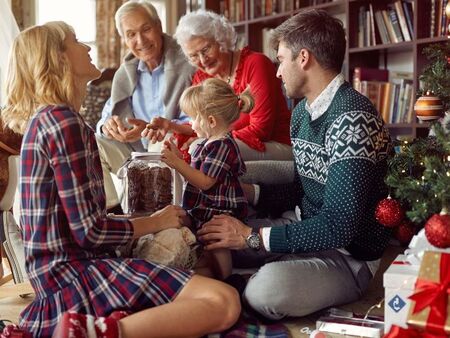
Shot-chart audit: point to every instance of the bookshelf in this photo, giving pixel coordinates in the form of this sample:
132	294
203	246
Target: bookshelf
252	17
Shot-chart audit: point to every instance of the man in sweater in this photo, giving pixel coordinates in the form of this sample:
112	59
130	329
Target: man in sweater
326	254
148	84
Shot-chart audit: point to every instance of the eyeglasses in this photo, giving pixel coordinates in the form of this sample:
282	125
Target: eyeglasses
205	51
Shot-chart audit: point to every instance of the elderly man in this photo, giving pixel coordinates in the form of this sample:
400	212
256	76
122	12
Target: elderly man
148	84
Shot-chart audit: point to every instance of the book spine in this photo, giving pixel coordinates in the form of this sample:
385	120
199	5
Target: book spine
407	9
402	20
394	19
382	28
389	26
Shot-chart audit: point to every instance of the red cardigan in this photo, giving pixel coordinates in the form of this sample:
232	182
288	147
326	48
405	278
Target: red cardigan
269	120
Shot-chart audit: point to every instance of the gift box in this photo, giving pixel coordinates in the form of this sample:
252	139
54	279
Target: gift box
335	326
430	306
398	281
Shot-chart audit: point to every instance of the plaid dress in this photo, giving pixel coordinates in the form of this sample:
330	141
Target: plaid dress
69	242
221	160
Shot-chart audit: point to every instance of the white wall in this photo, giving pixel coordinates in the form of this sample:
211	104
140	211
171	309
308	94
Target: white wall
8	31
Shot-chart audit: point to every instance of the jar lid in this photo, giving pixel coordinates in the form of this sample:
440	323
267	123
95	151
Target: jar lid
143	155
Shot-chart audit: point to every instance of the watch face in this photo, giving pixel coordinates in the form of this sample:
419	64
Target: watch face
253	241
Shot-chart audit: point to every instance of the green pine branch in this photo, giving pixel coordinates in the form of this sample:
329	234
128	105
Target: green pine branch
419	175
436	74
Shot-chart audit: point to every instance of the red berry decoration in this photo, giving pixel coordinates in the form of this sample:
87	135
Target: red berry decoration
404	232
389	212
437	230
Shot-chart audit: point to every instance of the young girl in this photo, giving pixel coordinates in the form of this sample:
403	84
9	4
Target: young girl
212	178
69	240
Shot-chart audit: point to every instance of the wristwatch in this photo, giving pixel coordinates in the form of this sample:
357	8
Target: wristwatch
254	241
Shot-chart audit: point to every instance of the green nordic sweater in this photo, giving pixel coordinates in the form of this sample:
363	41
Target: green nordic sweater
340	164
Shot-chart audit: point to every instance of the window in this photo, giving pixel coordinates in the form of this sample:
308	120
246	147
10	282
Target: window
80	14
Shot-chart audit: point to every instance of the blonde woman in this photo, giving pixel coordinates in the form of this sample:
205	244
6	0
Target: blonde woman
69	240
213	186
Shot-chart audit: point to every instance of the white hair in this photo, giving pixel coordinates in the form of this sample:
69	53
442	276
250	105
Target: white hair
131	6
208	25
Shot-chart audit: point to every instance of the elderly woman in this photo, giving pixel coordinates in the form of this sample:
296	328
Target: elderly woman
209	42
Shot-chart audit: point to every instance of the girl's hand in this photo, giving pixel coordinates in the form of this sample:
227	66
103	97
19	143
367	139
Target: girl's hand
170	154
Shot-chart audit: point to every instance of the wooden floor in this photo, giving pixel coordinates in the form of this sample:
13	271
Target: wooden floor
11	304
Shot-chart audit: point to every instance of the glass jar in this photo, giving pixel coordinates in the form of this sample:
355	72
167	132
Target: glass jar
148	184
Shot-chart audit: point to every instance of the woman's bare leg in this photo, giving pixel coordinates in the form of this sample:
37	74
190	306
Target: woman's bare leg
203	306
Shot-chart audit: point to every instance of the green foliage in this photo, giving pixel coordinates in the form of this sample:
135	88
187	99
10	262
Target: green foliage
419	174
436	75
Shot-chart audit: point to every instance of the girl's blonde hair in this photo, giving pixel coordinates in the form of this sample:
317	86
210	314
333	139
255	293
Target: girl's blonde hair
214	97
38	73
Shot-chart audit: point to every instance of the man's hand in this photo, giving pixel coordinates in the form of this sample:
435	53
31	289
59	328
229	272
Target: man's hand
224	232
115	129
157	129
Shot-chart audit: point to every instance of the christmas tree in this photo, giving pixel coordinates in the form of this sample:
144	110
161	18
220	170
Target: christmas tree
419	172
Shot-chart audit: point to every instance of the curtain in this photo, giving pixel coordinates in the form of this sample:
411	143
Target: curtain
110	47
8	31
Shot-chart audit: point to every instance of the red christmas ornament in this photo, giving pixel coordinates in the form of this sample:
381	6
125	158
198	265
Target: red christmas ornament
389	212
437	230
404	232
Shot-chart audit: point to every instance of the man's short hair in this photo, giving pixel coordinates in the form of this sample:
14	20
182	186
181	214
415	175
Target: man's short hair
318	32
131	6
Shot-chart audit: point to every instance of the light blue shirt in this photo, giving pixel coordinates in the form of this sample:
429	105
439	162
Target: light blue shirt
147	99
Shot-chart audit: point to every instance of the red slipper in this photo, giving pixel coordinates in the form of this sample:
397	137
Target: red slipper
77	325
13	331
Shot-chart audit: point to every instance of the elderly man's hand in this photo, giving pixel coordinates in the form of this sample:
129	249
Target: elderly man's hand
157	129
114	128
224	232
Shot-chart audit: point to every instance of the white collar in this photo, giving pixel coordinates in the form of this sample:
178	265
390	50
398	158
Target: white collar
320	105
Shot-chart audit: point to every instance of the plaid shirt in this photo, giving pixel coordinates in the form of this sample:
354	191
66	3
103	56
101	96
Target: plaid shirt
219	159
68	239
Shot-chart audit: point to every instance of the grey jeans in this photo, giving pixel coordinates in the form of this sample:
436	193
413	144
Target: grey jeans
299	284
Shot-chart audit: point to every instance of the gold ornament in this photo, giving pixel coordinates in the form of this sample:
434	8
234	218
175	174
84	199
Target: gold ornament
428	107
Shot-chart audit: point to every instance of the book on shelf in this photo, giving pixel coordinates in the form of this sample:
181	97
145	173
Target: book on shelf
438	19
233	10
389	26
382	29
386	102
266	48
373	90
361	26
395	23
403	94
372	34
402	20
368	74
432	18
444	19
408	11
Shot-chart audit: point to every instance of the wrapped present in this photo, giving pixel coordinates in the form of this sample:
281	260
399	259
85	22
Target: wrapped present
398	282
430	307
